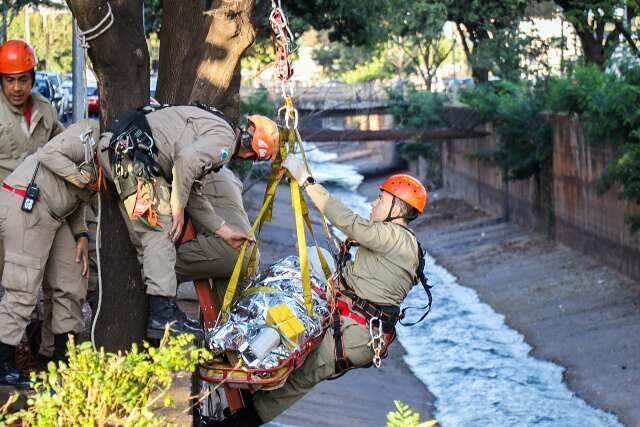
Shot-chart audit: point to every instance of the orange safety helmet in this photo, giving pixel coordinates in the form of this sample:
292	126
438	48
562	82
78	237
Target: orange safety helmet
265	138
17	56
408	189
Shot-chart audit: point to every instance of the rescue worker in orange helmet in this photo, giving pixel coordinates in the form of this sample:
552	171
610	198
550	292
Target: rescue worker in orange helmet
388	263
144	151
27	122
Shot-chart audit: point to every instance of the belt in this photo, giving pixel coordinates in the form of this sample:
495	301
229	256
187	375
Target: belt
18	191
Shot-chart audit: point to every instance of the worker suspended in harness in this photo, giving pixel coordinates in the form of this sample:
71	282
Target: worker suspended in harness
368	290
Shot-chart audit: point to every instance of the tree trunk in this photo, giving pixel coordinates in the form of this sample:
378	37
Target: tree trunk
184	28
200	51
593	50
230	34
121	63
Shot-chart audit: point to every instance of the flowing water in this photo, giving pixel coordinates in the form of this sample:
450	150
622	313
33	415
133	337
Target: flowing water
479	369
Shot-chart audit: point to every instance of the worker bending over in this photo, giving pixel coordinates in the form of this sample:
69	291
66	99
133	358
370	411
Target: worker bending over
388	263
44	193
149	148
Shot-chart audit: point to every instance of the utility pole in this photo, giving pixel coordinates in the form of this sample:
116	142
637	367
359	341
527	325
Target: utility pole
78	77
27	26
5	20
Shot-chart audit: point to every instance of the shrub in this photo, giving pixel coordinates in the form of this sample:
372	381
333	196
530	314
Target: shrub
608	108
403	416
419	109
524	146
100	389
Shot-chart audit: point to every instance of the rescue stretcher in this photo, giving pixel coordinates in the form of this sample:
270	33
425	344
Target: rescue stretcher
224	372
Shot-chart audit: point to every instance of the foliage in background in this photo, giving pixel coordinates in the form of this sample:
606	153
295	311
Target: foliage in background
336	58
152	16
600	24
478	21
416	29
403	416
419	109
107	389
524	143
608	106
9	10
348	21
50	35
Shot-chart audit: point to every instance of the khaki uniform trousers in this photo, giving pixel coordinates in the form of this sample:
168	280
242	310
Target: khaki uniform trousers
210	257
156	252
319	366
37	247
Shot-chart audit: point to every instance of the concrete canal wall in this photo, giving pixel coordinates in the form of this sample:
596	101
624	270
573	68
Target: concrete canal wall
565	205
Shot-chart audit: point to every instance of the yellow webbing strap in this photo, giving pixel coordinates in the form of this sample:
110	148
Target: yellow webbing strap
235	276
259	290
323	261
296	197
302	218
275	176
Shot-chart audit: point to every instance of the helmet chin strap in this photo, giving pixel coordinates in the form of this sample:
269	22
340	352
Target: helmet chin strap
390	218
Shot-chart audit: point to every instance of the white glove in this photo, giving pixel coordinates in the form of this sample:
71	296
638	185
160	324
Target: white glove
296	168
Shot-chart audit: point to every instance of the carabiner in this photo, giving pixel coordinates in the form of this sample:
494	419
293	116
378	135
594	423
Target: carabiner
377	335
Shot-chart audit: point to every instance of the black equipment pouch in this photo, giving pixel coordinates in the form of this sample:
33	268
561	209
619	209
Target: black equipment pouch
32	193
132	151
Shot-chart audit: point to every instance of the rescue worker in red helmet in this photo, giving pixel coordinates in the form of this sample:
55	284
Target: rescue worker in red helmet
180	145
27	122
387	265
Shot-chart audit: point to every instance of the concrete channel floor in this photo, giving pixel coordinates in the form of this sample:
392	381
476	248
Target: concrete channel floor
571	310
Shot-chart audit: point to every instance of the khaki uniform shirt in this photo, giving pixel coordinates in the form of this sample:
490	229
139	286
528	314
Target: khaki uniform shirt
384	268
223	191
62	185
190	142
17	140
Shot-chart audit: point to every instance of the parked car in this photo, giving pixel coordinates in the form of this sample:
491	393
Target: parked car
44	87
93	100
67	88
60	101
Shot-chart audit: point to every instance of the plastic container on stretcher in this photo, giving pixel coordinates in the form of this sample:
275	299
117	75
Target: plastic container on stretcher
257	379
240	377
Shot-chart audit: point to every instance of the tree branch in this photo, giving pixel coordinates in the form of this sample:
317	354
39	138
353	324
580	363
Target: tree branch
465	45
628	37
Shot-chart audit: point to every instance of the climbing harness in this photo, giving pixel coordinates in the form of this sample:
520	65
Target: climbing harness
380	319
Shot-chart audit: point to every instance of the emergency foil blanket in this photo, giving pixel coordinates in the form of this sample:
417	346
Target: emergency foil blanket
281	283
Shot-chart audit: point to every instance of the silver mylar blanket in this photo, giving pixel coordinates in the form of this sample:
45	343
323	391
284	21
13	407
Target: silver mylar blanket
281	283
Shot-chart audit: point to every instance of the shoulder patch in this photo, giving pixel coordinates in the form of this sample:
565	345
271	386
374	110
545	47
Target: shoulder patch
224	154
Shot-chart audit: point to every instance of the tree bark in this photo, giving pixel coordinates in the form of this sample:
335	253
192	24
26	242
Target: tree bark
182	35
121	63
230	34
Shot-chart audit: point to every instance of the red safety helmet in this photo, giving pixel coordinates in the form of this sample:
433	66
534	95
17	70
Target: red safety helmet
17	56
265	138
408	189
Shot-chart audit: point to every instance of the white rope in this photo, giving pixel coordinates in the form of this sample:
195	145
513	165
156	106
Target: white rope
97	30
98	239
85	37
